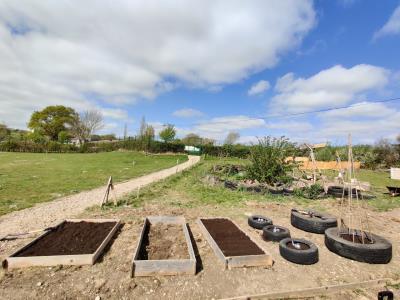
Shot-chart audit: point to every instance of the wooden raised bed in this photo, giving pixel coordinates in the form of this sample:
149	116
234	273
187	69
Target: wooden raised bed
142	265
29	255
233	246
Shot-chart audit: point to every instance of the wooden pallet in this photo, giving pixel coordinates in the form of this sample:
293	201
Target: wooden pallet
14	261
165	266
236	261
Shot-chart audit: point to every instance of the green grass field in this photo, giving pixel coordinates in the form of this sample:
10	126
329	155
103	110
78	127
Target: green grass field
188	189
29	178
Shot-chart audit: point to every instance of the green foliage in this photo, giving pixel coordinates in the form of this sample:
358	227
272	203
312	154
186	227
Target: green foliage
63	137
37	137
52	120
4	132
168	133
268	160
313	191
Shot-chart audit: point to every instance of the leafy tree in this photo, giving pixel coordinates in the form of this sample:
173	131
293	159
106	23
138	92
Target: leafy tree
4	132
268	161
52	120
192	139
168	133
231	138
149	132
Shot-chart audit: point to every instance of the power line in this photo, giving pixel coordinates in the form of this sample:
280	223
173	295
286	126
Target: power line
263	117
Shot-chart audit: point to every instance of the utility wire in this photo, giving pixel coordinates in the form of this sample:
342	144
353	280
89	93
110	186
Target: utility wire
263	117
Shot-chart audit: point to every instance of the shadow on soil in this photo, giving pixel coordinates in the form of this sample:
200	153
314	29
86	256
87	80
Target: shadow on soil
109	245
199	262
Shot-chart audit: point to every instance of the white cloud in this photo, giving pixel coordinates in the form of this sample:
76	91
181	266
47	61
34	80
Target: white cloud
218	128
360	110
332	87
392	26
115	113
259	88
62	52
290	126
187	113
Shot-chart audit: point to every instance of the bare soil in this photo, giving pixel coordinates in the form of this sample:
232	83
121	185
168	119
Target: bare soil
70	238
110	278
230	239
164	241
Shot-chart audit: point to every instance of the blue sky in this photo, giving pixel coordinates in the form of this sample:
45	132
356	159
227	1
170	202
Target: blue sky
209	67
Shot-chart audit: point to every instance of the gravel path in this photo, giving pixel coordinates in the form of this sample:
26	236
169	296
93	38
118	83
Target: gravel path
47	214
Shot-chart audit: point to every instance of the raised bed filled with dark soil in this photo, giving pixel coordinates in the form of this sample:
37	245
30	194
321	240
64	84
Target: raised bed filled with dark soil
164	248
231	245
72	242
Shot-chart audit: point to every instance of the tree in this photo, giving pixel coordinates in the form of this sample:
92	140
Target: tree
192	139
52	120
85	125
4	132
231	138
268	161
93	121
149	133
143	126
168	133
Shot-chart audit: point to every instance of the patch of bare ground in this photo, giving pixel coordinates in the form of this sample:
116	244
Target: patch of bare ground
164	241
110	278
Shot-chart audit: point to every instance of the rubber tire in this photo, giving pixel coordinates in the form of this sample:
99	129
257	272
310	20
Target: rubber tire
253	222
379	252
314	225
301	257
269	235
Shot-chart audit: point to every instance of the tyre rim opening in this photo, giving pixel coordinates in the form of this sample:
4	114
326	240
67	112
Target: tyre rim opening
296	245
356	237
276	229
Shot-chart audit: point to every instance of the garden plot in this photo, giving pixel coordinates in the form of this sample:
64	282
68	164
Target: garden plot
231	245
164	248
72	242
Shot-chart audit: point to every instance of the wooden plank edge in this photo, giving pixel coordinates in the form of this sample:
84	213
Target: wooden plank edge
318	291
136	252
213	244
164	267
47	261
105	242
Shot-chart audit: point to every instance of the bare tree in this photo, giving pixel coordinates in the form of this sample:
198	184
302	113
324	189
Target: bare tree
231	138
86	124
93	121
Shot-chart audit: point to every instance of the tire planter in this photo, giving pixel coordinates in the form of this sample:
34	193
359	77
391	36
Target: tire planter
379	252
306	254
275	233
259	222
314	222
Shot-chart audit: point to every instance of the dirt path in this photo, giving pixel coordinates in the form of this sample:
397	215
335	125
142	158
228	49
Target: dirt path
47	214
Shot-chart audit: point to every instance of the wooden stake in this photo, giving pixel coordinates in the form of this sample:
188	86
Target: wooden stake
110	186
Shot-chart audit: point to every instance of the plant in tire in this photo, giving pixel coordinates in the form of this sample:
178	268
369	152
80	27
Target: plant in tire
268	163
374	250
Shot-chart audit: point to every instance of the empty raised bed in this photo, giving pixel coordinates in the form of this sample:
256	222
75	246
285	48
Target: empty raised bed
231	245
164	248
71	242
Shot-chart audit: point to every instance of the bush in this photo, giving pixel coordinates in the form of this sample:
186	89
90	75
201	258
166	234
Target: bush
268	161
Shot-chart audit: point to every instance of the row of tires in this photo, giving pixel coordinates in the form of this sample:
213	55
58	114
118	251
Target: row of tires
355	245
